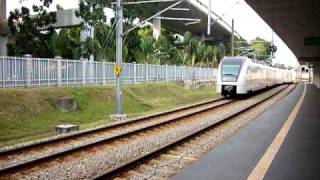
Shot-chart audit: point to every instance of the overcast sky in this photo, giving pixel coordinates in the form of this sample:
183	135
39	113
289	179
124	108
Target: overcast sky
247	22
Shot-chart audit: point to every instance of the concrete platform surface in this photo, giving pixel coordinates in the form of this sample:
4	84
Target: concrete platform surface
299	155
238	155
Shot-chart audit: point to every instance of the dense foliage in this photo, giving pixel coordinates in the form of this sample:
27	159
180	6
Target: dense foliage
35	35
32	33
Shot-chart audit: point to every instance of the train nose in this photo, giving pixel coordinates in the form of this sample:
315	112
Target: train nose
228	90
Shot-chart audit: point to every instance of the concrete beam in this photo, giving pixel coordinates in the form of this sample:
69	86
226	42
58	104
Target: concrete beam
67	18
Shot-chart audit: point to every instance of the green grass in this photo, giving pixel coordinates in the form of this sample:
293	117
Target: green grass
28	114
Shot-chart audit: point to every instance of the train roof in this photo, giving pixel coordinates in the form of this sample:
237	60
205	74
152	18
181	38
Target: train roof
245	58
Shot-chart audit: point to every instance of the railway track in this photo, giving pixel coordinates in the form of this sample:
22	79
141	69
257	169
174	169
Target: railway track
122	145
23	156
169	159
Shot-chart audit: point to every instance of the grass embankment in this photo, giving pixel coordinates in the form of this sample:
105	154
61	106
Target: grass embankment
27	114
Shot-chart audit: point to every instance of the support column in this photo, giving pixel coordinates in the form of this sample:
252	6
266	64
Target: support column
3	9
3	45
167	79
175	72
318	80
87	33
28	70
103	73
59	71
156	27
134	72
3	28
147	72
157	72
83	72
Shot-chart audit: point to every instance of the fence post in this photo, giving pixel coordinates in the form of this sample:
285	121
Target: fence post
28	70
193	74
147	72
59	71
167	73
158	66
175	72
83	72
103	73
134	72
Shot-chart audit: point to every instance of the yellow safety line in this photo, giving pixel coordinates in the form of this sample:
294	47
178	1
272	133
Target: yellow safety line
263	165
180	157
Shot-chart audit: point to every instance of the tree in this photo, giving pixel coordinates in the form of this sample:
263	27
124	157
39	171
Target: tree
66	44
240	44
147	48
105	40
262	49
92	13
186	46
33	34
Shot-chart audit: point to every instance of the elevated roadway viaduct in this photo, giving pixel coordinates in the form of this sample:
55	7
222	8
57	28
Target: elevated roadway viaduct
176	19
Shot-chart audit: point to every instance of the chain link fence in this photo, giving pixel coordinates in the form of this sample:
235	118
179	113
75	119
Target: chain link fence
38	72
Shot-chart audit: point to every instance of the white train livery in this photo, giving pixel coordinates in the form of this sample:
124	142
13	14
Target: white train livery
242	75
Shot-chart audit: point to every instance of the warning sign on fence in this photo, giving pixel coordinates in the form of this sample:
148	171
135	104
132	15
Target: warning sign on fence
117	70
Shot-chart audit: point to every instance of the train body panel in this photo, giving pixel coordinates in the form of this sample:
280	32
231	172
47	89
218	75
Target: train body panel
241	75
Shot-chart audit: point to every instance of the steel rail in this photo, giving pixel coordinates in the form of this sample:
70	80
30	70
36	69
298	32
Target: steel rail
30	162
139	160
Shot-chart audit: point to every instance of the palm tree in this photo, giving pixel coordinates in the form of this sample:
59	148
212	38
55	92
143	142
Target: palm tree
147	48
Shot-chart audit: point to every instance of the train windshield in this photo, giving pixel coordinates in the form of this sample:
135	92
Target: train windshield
230	70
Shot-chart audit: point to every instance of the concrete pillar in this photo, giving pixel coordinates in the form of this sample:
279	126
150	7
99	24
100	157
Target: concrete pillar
3	28
318	80
147	72
167	79
175	72
103	73
134	72
28	70
87	33
3	9
3	45
156	27
59	70
83	72
158	72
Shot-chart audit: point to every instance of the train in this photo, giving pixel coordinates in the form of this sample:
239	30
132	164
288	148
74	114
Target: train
241	76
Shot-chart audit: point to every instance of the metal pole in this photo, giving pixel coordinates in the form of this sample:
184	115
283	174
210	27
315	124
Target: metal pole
209	18
232	39
119	55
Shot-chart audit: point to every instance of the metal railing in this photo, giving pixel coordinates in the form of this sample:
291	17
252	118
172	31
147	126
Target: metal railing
37	72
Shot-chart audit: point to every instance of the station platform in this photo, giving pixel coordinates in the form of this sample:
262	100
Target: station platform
246	154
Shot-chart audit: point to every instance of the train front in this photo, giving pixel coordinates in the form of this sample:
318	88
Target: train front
228	75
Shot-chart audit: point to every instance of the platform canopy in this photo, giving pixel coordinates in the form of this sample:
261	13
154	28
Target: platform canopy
220	30
297	22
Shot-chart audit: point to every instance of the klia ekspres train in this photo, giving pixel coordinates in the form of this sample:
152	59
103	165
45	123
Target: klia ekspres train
242	75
